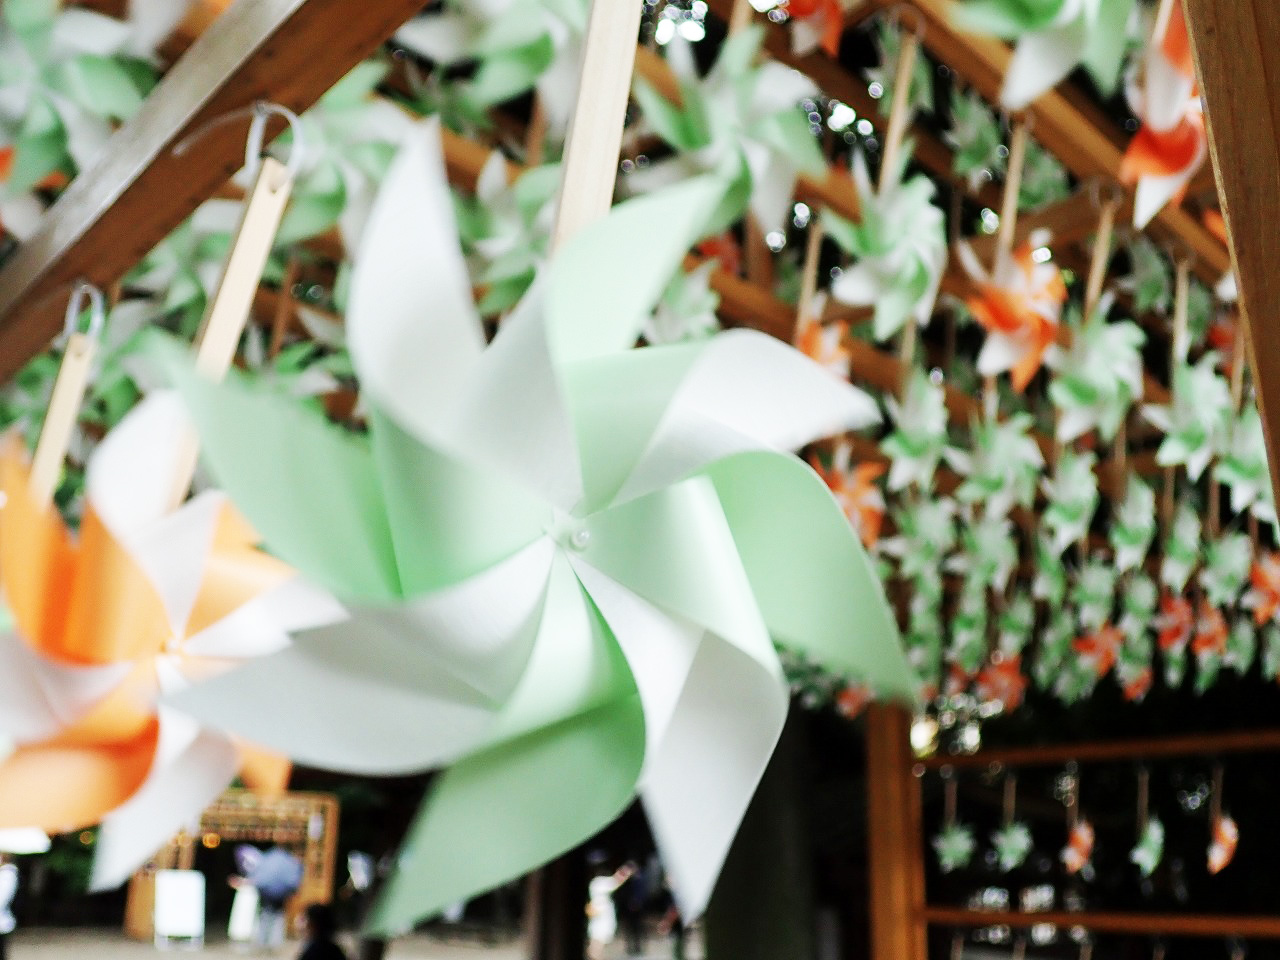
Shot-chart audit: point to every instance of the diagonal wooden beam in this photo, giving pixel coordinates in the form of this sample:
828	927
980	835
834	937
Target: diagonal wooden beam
289	51
1234	43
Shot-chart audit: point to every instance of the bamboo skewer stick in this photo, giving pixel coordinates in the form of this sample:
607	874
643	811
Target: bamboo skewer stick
1006	233
899	110
1101	256
809	276
284	307
1178	353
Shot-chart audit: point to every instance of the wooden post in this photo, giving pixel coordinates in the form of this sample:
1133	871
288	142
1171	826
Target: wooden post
894	837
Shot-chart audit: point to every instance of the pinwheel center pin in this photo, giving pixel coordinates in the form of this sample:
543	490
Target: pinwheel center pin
568	531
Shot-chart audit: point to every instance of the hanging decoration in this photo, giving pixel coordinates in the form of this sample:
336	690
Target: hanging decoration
1149	850
856	490
954	844
1012	842
1225	832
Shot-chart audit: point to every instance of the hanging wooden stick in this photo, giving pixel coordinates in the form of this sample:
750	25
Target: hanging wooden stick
740	16
68	394
1010	797
284	307
1101	256
228	310
809	275
1177	355
1006	233
1144	799
899	109
1215	796
949	801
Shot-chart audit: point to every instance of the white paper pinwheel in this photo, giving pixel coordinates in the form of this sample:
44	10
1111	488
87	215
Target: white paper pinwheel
1094	594
1012	844
926	533
348	141
687	310
1050	583
744	115
1138	597
1044	179
518	45
1227	562
1242	466
1150	279
988	553
1196	421
919	436
1098	377
1073	498
975	138
65	79
954	845
968	648
1003	469
1055	647
565	559
900	244
1133	525
1051	39
1016	623
1181	548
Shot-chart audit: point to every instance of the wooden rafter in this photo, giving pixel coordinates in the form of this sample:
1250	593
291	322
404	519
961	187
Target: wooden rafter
289	51
1234	43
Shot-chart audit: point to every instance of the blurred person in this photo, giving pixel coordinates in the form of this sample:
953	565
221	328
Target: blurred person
8	890
602	916
319	930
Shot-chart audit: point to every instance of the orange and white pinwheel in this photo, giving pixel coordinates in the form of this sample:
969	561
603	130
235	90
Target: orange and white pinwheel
146	601
824	343
1019	304
1101	648
1079	849
1003	683
1211	631
816	24
852	700
1263	595
1172	143
1226	836
1174	623
856	491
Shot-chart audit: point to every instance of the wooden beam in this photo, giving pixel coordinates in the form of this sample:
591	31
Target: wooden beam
1240	83
1154	924
289	51
895	835
1062	127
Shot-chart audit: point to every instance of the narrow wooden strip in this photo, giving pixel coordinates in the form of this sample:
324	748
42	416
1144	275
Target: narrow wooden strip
900	109
60	419
1155	924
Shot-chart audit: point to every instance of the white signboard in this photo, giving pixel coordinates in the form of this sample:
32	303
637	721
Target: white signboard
179	910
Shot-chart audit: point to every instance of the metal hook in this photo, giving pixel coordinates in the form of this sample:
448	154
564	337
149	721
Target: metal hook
259	113
75	306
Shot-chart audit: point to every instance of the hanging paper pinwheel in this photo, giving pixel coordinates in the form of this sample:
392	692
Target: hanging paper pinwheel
1044	179
1150	280
507	228
856	491
1094	594
1019	304
1242	646
1052	38
165	597
1004	467
1263	595
979	154
1149	851
882	76
568	598
919	435
824	343
1079	849
742	115
900	244
815	24
954	845
1073	498
1227	561
1210	638
1196	422
66	76
1003	683
347	141
1242	466
1012	844
1100	648
925	535
1181	549
1226	837
687	310
1098	377
988	553
1016	625
1137	604
1050	584
1133	526
968	649
1175	624
519	45
1172	144
1055	645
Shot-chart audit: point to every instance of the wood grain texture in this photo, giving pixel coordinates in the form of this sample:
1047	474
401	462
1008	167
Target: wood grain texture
1155	924
1234	43
289	51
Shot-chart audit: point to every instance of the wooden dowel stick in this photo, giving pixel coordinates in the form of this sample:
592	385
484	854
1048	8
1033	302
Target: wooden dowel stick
229	308
1144	799
1012	187
740	16
590	165
60	419
899	110
809	275
1180	342
1101	257
284	307
536	135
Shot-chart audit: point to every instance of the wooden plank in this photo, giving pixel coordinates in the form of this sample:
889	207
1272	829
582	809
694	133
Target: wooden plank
1234	42
895	837
1155	924
1106	751
114	213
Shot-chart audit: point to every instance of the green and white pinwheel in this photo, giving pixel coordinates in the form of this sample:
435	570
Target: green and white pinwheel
1055	647
900	244
743	115
349	139
1227	562
1243	467
1138	598
882	76
1148	853
1003	468
919	436
968	648
1012	844
954	846
979	154
1073	498
687	310
1094	594
1076	680
1196	422
1133	525
518	46
1181	548
1044	179
566	560
67	76
506	229
926	533
1150	279
1052	38
988	552
1098	377
1016	625
1050	583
